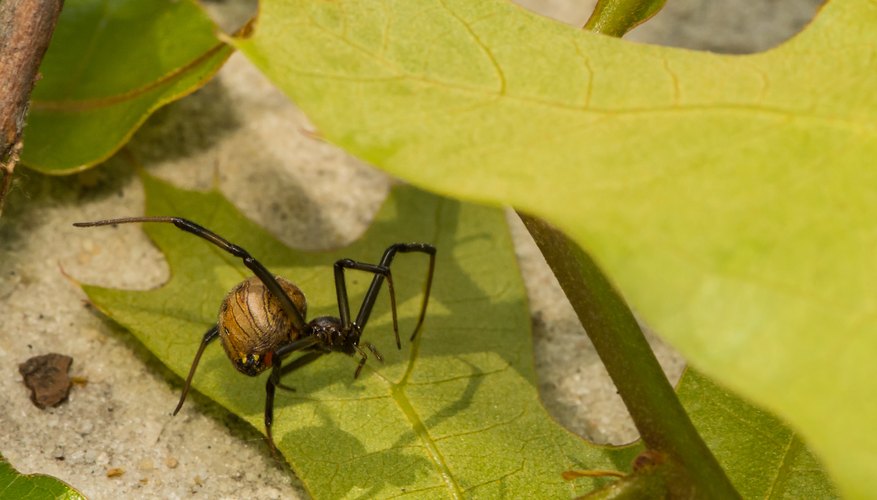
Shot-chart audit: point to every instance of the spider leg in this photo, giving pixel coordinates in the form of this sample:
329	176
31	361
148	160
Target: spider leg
254	265
364	357
285	387
387	259
211	335
299	362
362	360
278	370
380	272
374	350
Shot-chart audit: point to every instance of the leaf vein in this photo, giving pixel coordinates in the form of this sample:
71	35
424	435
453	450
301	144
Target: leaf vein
500	75
80	105
783	471
482	429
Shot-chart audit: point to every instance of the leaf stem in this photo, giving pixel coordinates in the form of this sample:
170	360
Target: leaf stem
633	367
617	17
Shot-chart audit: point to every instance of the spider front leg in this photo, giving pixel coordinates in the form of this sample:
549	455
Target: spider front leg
211	335
265	276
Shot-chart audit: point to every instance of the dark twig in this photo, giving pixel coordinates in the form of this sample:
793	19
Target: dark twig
26	27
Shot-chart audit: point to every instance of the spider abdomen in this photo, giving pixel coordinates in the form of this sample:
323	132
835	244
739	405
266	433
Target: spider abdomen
252	323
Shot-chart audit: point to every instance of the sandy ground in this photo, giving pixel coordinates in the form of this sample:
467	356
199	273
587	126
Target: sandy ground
244	133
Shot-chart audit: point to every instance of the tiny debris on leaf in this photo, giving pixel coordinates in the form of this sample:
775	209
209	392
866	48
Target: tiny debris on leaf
648	459
46	377
115	472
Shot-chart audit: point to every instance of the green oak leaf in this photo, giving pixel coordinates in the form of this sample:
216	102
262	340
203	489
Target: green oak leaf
33	486
456	413
728	197
109	66
762	457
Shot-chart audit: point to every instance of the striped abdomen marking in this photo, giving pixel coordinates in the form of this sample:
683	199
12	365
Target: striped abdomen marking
252	323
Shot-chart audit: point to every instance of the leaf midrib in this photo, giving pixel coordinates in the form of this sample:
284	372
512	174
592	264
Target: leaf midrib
80	105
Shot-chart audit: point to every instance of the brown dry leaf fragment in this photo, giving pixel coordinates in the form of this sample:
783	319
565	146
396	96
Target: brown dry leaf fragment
46	377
